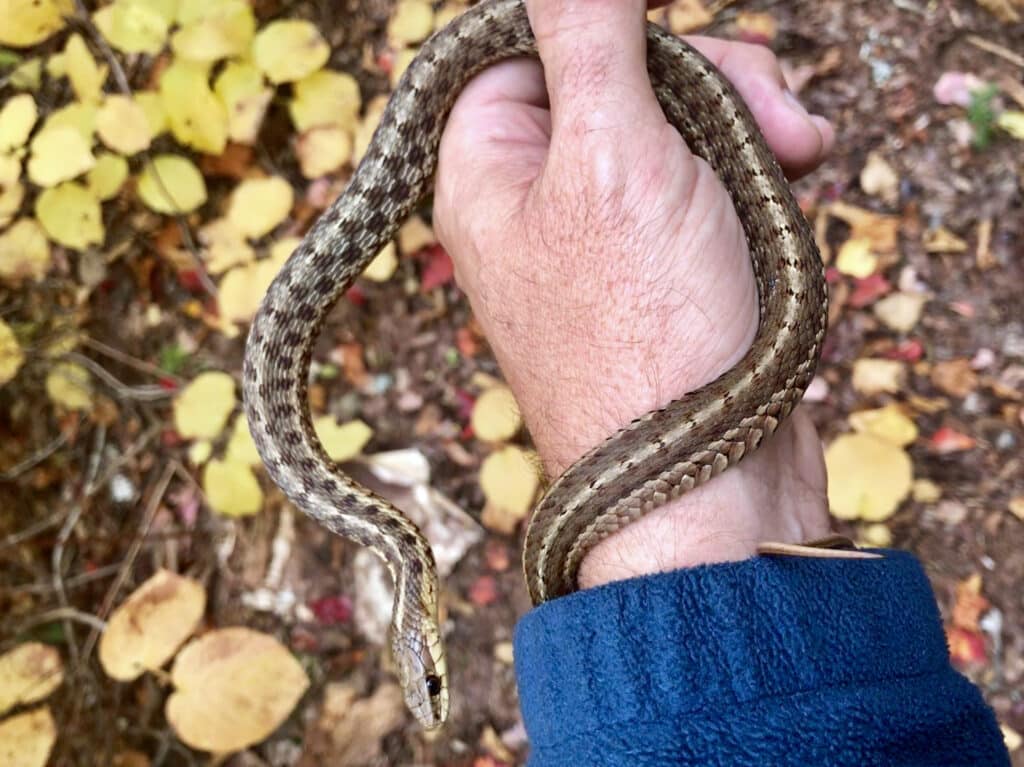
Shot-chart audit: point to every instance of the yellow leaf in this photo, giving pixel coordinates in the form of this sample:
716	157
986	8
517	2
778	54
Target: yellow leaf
414	235
877	535
900	311
28	75
411	22
199	452
231	488
202	408
241	448
28	673
153	107
401	63
196	116
323	150
216	31
342	442
81	117
86	76
246	96
107	176
495	416
12	191
233	688
289	49
17	118
326	98
27	739
123	126
383	265
856	259
941	240
888	423
448	13
69	386
259	204
28	22
364	133
879	179
144	632
509	479
58	154
868	477
136	26
70	214
1012	121
224	246
24	251
926	491
172	184
874	376
243	288
11	355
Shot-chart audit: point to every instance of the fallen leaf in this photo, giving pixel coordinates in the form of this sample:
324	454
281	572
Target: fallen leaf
17	118
231	488
350	729
171	184
11	355
484	591
868	289
326	98
144	632
438	269
968	603
1016	506
323	150
868	477
246	97
342	442
874	376
955	88
332	610
900	311
685	16
880	230
888	423
224	246
107	176
197	118
202	408
289	49
259	204
955	377
384	264
24	251
27	739
948	440
233	688
86	76
29	22
756	27
123	126
81	117
926	491
411	22
1003	10
509	478
876	535
1012	121
28	673
941	240
856	259
58	154
240	447
12	191
69	385
136	26
966	648
415	235
495	416
214	31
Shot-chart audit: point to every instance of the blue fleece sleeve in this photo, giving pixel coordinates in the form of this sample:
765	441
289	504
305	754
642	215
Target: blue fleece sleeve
770	661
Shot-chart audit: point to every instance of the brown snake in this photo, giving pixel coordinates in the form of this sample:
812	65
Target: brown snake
654	459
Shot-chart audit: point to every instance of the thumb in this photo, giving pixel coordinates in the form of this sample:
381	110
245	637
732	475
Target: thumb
594	54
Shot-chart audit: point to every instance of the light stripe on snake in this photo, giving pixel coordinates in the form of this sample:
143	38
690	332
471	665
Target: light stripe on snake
652	460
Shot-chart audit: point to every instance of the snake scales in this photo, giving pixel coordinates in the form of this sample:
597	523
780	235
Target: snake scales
652	460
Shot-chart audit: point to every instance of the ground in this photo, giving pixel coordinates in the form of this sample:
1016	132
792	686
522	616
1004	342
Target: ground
91	505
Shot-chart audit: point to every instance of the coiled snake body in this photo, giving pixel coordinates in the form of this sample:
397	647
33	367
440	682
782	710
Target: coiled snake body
652	460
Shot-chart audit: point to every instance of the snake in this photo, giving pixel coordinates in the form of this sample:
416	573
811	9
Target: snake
648	462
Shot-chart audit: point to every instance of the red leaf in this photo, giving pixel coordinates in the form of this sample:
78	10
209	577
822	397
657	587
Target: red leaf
966	648
910	350
332	610
868	290
947	440
484	591
438	269
356	295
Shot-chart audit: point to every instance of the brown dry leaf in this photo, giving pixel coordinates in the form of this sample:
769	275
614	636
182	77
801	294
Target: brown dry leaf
509	479
878	179
26	740
955	377
882	231
1003	10
888	423
969	604
868	477
687	15
983	256
150	625
495	416
410	23
874	376
941	240
28	673
234	687
350	729
900	311
755	26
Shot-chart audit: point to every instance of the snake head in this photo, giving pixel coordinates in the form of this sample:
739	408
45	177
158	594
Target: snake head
423	676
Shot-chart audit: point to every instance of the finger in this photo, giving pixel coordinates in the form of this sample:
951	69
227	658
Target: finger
594	55
800	140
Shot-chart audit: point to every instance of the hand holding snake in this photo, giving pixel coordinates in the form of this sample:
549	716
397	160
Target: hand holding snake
662	259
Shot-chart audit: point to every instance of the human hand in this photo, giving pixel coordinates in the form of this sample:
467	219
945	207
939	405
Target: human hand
610	273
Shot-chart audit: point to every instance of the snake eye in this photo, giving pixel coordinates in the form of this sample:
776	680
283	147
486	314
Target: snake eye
433	685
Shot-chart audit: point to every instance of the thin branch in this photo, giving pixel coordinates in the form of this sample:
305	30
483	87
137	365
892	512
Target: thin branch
141	365
35	459
999	50
31	531
62	614
147	393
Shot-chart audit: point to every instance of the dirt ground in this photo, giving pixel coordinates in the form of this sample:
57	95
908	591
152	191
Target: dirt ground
871	68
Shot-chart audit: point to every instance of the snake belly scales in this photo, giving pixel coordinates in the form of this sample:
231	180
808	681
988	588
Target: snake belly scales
654	459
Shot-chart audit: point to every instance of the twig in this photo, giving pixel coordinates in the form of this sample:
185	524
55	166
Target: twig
31	531
133	551
82	17
141	365
148	393
62	614
140	444
999	50
69	583
35	459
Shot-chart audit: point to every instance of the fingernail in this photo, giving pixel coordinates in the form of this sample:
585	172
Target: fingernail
794	103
